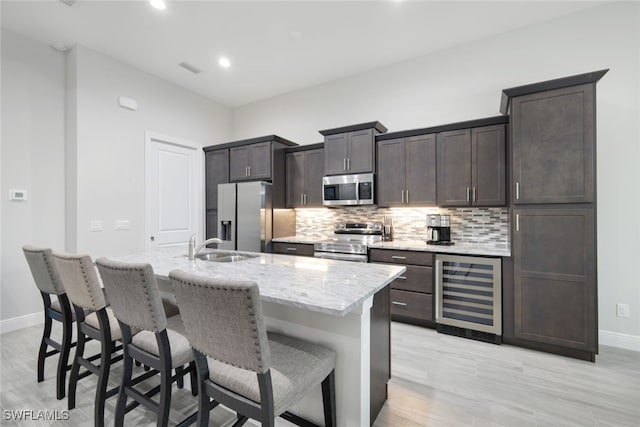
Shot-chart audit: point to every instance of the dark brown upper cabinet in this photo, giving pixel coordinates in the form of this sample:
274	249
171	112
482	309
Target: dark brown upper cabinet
216	172
553	146
407	171
250	162
351	149
255	159
555	298
472	167
305	170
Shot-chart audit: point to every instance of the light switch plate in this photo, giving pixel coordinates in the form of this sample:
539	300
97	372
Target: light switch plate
96	226
123	224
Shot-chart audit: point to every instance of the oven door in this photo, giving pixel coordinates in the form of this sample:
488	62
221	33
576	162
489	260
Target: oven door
341	256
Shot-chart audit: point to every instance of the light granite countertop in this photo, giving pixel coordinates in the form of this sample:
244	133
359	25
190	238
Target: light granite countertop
416	245
327	286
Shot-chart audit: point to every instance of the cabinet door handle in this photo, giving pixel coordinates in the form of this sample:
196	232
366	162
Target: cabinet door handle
517	190
407	197
474	194
398	257
348	163
402	278
249	170
467	194
305	199
398	303
302	199
246	171
517	222
402	196
292	249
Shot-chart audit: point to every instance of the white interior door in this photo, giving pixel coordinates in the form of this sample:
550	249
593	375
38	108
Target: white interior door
173	189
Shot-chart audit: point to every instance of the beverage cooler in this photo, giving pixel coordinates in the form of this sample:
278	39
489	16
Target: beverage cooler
469	296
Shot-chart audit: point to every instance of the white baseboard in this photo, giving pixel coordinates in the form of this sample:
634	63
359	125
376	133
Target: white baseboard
20	322
616	339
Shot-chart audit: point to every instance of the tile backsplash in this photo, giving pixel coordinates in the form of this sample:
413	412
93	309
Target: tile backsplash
468	225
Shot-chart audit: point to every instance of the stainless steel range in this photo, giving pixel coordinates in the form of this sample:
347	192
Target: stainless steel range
350	241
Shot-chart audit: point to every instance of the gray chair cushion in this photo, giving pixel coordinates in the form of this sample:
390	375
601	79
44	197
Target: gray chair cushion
297	366
181	352
56	306
114	326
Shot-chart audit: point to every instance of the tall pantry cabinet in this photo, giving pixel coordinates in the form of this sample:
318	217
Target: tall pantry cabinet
553	191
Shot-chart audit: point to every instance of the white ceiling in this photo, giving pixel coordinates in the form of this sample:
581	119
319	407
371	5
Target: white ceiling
337	38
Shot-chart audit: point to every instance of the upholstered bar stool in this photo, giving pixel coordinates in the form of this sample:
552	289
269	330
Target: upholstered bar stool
257	374
80	279
161	344
48	281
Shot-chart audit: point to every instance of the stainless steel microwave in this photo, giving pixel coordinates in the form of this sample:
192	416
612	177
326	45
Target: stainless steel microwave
344	190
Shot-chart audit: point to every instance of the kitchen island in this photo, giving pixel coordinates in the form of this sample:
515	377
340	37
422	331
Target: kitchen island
342	305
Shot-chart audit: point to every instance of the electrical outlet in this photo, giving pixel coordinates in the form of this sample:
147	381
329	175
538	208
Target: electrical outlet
622	310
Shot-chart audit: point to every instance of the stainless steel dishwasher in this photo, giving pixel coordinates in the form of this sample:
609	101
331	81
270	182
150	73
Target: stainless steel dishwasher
469	296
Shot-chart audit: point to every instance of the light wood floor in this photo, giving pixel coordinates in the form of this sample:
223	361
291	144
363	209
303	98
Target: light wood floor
438	380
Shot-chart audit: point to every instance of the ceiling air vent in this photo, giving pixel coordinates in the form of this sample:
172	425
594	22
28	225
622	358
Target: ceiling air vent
190	67
69	2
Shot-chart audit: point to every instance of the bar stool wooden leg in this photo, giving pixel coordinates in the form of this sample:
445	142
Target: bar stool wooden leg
105	366
75	368
329	400
127	371
63	360
46	334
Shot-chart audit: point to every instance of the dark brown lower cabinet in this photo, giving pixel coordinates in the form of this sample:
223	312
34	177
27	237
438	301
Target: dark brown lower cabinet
299	249
554	295
411	293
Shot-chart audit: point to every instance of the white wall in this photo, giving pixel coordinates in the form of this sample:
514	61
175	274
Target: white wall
33	160
465	83
107	142
71	141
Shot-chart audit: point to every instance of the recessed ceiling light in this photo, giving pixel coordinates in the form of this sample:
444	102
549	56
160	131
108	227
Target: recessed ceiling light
224	62
295	35
158	4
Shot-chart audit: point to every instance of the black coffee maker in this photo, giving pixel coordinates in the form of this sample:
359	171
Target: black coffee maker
439	229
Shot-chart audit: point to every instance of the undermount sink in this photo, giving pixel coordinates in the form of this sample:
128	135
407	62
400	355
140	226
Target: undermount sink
224	256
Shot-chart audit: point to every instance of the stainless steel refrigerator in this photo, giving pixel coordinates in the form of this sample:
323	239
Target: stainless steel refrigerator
245	216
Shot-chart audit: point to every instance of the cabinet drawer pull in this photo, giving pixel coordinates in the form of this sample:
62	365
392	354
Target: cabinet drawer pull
292	249
398	257
398	303
402	278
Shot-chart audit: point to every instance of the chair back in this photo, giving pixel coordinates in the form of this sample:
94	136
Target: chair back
133	293
223	319
80	280
43	270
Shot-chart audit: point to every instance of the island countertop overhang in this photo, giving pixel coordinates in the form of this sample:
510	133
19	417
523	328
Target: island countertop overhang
326	286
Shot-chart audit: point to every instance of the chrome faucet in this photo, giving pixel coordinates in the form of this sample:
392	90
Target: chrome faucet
194	251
